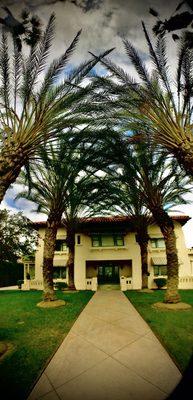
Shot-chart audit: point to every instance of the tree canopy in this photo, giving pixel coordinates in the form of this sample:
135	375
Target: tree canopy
17	236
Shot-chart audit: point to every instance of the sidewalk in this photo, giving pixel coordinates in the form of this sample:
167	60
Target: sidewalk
109	354
9	288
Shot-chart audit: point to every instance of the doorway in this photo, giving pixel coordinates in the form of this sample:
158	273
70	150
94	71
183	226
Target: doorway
108	273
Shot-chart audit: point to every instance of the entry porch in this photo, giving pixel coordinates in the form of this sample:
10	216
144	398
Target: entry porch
103	272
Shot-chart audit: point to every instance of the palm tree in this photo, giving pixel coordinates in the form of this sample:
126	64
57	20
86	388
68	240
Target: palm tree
157	102
37	101
63	184
161	185
127	196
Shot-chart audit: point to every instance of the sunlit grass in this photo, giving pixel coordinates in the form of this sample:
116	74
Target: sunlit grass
33	334
174	328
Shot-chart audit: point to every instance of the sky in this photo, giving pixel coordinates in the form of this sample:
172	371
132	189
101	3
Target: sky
104	24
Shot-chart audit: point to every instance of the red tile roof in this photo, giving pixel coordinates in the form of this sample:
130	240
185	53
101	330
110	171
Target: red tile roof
182	219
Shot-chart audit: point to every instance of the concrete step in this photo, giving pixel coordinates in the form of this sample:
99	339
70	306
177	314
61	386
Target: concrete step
109	287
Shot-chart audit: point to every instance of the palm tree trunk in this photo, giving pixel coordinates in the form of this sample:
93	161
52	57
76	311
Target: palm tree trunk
49	249
184	155
11	161
144	264
70	240
167	228
142	240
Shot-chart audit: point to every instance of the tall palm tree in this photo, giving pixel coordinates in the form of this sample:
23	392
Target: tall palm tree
159	101
127	197
38	101
161	185
63	184
124	194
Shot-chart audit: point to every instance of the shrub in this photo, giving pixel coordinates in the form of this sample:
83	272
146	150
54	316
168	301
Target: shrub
60	285
10	273
19	283
160	282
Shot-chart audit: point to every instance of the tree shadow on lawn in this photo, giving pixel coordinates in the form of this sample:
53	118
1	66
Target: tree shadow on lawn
184	389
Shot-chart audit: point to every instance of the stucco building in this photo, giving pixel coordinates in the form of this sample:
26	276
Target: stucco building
106	251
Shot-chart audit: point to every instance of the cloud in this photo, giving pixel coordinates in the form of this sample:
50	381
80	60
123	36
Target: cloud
27	207
104	22
85	5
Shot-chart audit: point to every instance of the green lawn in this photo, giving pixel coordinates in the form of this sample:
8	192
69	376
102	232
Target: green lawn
174	328
34	334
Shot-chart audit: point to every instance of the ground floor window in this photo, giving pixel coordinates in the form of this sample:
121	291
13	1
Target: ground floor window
160	270
59	273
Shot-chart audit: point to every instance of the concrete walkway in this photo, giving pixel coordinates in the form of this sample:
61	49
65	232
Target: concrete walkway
9	288
109	354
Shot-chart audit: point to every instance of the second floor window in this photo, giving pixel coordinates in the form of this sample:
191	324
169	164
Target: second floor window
158	243
100	240
60	245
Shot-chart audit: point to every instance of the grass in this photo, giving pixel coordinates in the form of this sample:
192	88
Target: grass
34	335
174	328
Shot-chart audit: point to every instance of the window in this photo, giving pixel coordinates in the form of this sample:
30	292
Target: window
78	239
158	243
160	270
107	240
59	273
60	245
119	240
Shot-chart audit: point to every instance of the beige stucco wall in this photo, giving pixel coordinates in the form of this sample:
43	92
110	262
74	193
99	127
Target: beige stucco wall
184	267
190	257
131	251
60	257
85	252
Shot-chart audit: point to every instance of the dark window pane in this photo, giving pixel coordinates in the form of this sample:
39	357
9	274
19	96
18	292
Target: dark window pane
60	245
119	240
107	241
59	273
95	241
163	270
156	270
160	270
158	243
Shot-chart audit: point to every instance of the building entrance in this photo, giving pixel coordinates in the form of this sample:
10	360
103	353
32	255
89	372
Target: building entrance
108	273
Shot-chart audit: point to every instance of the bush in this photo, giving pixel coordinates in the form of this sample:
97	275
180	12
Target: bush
10	273
60	285
160	282
19	283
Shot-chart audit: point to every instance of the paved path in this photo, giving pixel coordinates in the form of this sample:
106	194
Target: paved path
109	354
9	288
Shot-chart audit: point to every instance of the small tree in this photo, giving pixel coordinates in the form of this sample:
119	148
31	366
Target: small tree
17	236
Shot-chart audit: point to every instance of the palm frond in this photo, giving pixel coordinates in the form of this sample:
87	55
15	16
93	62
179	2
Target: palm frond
57	66
5	72
36	60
